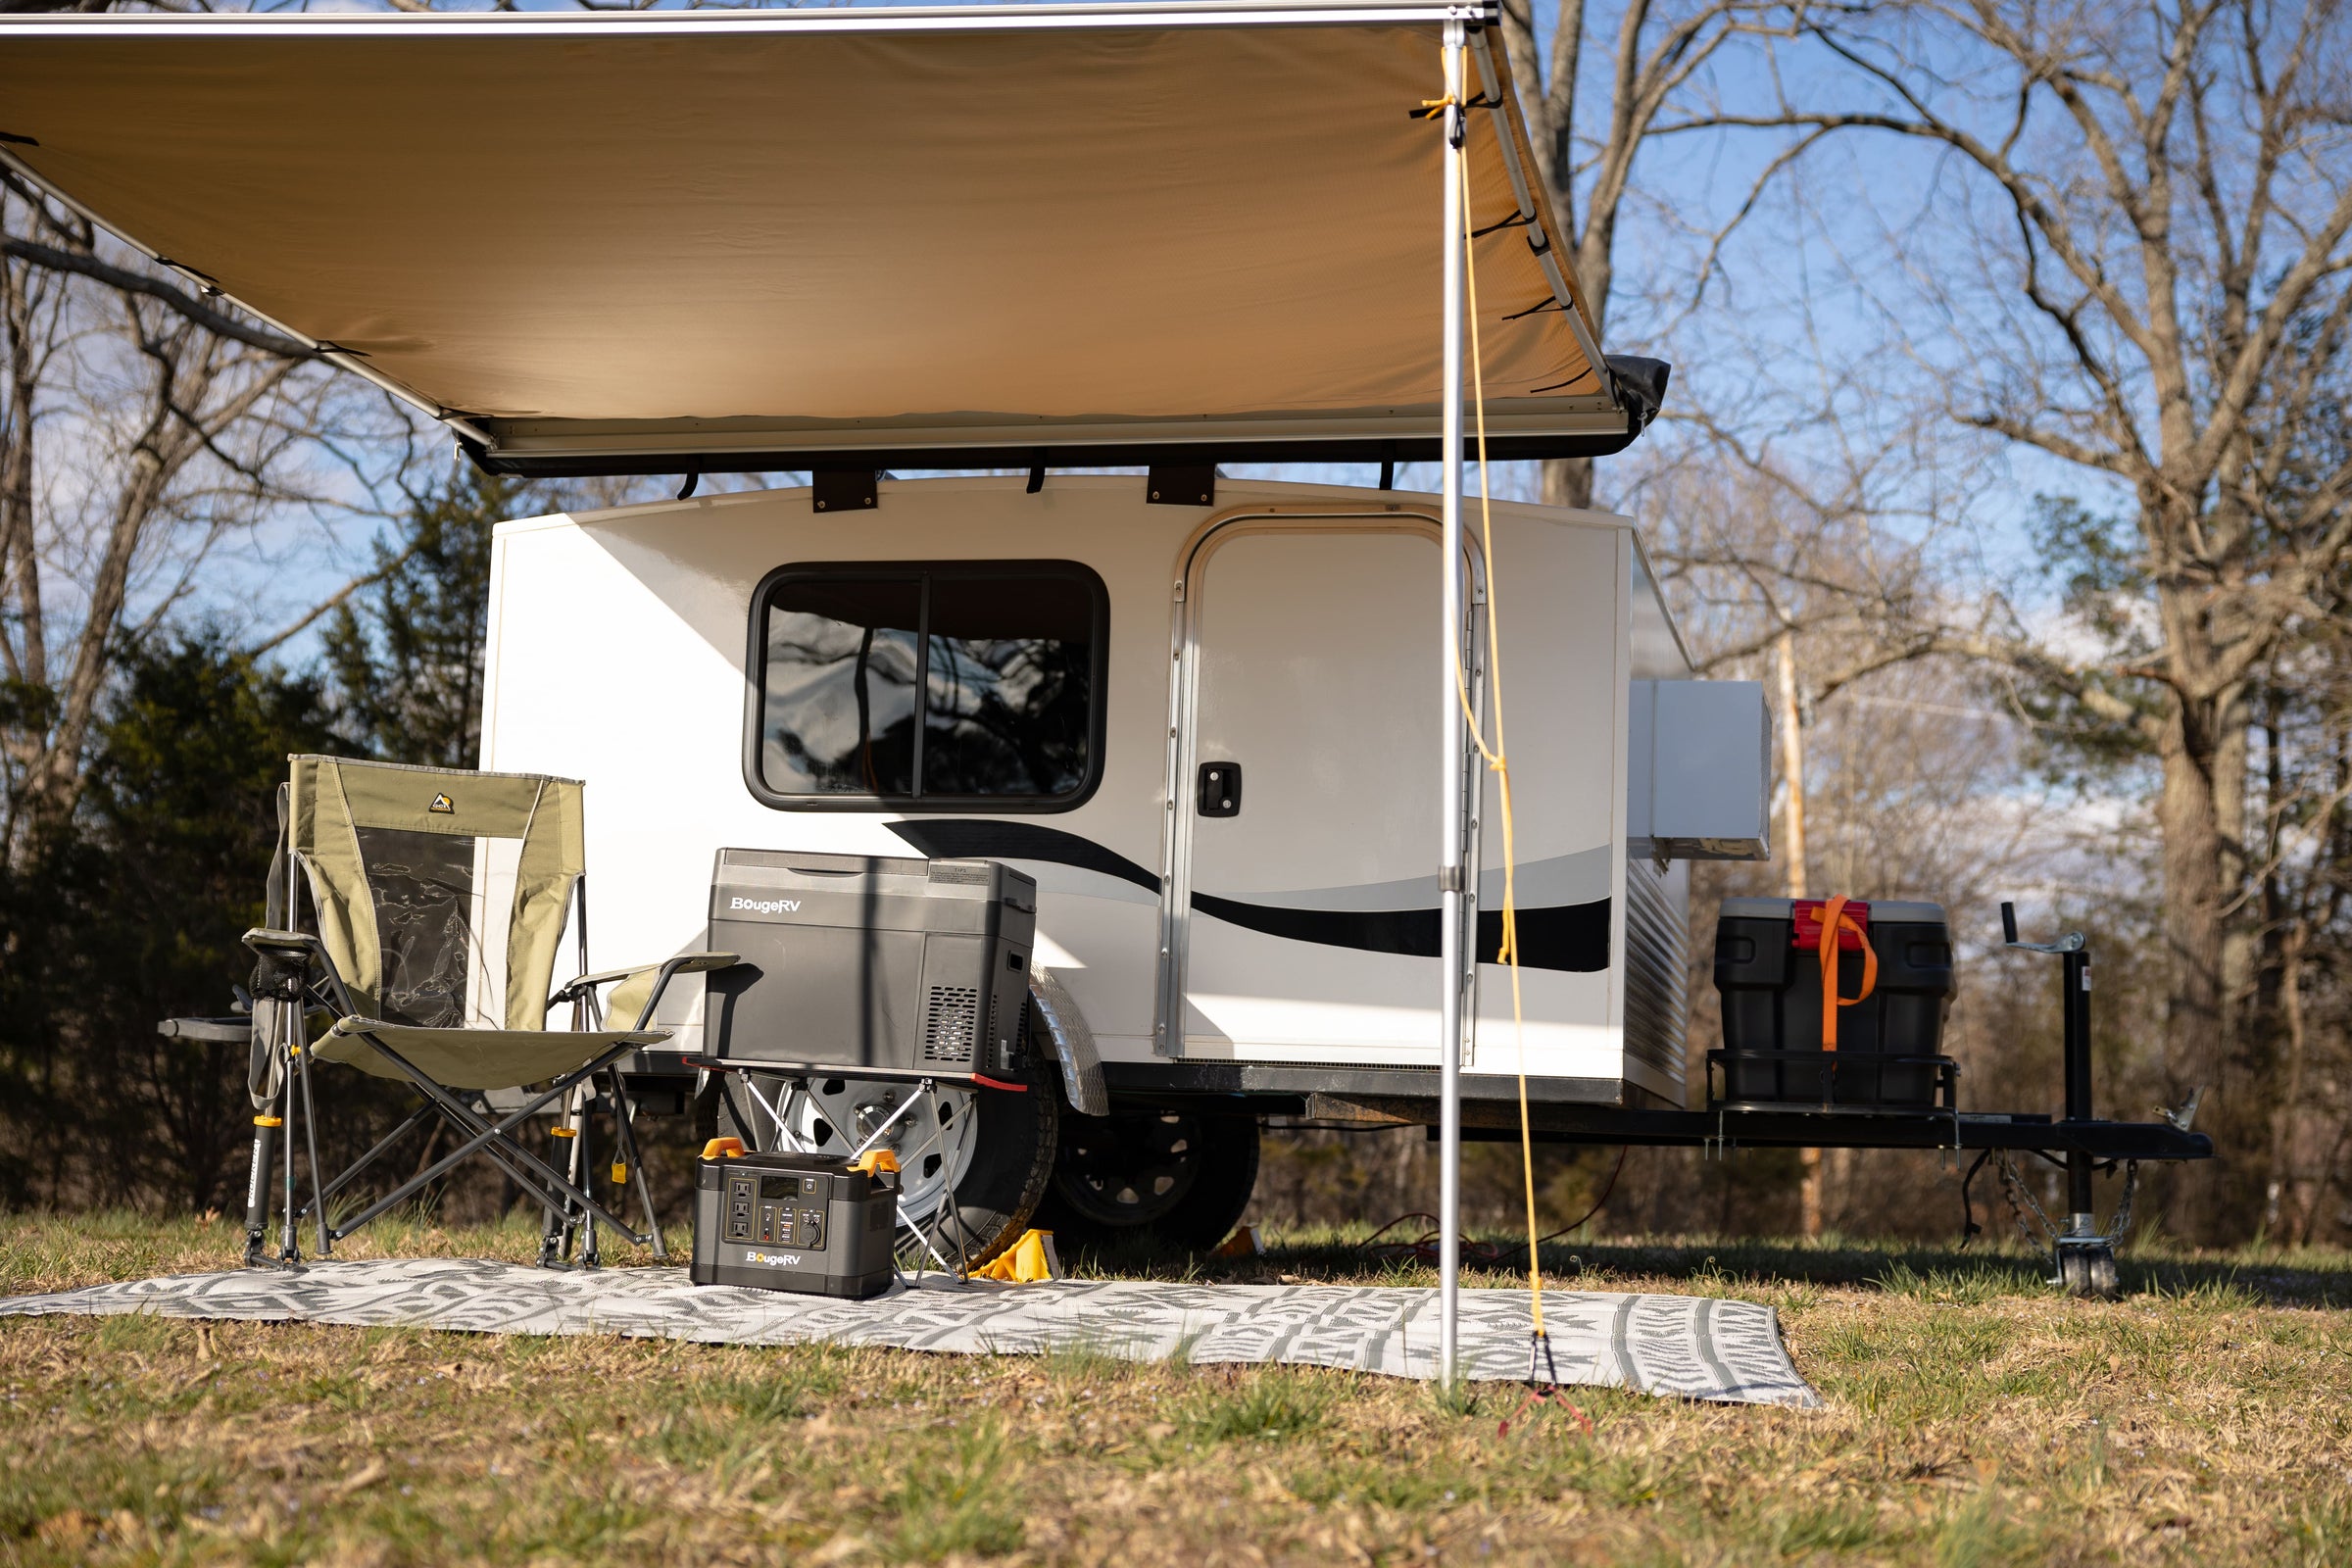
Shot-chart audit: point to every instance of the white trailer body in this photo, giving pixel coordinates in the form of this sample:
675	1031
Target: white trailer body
1287	947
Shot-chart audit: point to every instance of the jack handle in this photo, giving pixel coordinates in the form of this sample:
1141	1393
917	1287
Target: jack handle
2072	942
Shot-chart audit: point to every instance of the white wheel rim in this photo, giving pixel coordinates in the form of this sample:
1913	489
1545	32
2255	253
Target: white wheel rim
933	1140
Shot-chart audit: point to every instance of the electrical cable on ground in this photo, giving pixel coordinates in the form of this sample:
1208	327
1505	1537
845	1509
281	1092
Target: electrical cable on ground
1424	1247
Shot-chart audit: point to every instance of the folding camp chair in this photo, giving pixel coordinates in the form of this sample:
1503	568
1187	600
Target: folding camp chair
437	901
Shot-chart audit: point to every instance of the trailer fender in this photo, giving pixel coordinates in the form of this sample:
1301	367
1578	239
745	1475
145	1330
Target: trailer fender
1073	1041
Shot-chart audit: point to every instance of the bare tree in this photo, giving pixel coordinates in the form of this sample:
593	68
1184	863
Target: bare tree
2160	195
140	427
2300	897
1589	124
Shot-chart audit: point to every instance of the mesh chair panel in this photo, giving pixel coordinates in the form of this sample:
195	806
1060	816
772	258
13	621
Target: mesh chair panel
444	916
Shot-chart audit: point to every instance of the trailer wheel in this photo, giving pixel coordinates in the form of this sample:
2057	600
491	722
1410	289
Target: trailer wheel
974	1163
1179	1178
2088	1272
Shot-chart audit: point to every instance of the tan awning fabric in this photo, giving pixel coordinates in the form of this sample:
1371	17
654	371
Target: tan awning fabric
696	231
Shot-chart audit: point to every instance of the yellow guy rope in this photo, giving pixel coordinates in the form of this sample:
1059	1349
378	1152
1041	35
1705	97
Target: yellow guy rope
1497	759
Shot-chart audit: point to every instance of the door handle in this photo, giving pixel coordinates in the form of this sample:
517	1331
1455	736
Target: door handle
1220	788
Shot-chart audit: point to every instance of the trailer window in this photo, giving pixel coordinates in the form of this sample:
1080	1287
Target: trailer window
943	686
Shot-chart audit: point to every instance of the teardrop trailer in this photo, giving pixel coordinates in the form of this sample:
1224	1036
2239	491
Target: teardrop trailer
1215	725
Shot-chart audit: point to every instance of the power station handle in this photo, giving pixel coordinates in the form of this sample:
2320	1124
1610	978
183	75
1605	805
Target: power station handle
2009	923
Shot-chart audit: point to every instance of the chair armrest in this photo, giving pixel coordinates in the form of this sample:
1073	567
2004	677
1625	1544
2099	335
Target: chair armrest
683	964
208	1030
292	952
582	985
260	939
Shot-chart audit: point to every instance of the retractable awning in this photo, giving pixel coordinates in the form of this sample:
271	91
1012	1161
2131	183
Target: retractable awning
782	240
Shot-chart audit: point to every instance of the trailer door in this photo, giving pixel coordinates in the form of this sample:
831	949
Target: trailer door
1302	920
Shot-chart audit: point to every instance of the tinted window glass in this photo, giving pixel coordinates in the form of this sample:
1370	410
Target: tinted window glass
840	686
1011	664
1007	660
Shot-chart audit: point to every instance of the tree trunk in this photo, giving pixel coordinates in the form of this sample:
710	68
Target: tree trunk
2288	1117
1568	482
1790	719
2198	889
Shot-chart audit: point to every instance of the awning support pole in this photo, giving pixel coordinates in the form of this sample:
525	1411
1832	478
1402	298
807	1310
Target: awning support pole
1450	879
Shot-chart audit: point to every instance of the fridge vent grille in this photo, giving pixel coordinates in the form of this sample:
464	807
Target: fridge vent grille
951	1023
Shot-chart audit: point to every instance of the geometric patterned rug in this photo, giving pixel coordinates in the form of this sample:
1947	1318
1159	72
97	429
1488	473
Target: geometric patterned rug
1680	1347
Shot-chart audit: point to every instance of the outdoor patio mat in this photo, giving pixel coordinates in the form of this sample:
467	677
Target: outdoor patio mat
1693	1347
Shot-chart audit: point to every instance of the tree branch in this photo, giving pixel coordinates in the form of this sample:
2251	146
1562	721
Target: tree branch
189	307
336	600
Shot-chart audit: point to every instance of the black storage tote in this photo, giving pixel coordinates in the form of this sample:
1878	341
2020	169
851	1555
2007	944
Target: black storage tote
1768	971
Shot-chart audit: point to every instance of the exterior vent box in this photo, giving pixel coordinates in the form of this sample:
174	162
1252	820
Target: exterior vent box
1700	785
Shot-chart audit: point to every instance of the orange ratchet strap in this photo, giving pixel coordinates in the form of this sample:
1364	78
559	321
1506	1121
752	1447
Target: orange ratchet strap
1844	922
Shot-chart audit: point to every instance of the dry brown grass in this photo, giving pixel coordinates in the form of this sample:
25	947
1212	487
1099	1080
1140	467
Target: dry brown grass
1973	1417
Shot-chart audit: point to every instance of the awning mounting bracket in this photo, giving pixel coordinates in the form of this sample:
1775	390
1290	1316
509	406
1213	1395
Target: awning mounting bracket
845	489
1181	484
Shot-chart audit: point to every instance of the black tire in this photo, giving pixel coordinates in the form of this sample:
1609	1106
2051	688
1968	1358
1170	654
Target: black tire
1012	1163
1174	1179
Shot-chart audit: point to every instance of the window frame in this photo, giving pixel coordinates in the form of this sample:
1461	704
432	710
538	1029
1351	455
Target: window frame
922	573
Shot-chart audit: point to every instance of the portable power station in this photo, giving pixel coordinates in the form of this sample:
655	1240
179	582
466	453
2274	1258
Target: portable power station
807	1223
885	966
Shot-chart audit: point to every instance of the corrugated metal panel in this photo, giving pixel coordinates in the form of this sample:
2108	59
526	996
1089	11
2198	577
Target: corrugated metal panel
1657	940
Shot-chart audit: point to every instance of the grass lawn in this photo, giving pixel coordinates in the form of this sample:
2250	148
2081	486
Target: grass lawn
1974	1416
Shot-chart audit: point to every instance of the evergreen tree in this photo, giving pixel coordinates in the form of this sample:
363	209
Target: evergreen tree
406	657
131	913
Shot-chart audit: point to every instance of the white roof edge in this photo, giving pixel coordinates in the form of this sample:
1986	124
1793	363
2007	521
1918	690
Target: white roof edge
1278	497
1658	589
1104	13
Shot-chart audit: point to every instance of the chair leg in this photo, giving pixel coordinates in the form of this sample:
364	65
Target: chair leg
257	1182
625	1135
289	1240
309	1133
421	1114
496	1142
567	1216
555	1228
583	1174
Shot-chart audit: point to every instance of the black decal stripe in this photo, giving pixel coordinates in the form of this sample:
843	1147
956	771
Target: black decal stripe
1570	937
1574	937
1411	932
948	837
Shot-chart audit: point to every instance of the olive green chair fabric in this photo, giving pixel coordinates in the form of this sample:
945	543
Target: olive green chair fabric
473	1059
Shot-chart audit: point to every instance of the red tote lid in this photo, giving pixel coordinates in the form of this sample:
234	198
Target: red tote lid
1805	924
